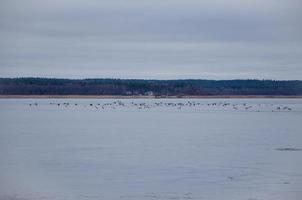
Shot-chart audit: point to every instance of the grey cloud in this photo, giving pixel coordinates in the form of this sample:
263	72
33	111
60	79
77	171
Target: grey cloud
151	39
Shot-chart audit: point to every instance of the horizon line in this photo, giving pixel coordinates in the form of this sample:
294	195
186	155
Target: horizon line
149	79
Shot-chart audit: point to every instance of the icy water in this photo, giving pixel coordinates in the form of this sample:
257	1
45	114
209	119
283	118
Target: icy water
213	149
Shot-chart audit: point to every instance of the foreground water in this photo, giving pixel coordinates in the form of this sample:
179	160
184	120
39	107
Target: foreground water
77	149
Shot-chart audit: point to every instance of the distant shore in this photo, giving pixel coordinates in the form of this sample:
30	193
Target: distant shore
146	97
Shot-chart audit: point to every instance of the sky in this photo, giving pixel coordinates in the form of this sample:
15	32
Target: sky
151	39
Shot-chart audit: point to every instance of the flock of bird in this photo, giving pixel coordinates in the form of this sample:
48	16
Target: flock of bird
175	105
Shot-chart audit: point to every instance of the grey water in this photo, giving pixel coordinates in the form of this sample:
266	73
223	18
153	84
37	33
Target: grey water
146	149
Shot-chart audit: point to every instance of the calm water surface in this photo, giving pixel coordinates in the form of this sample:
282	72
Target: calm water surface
90	149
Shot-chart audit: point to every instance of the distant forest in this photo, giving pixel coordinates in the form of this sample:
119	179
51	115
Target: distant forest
46	86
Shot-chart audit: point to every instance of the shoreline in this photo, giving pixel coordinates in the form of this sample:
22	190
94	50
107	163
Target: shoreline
148	97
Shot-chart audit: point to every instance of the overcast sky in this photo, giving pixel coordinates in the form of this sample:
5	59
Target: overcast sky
161	39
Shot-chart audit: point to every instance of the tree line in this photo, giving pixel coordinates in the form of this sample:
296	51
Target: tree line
192	87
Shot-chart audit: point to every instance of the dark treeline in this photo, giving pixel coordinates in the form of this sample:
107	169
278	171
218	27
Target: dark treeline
46	86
